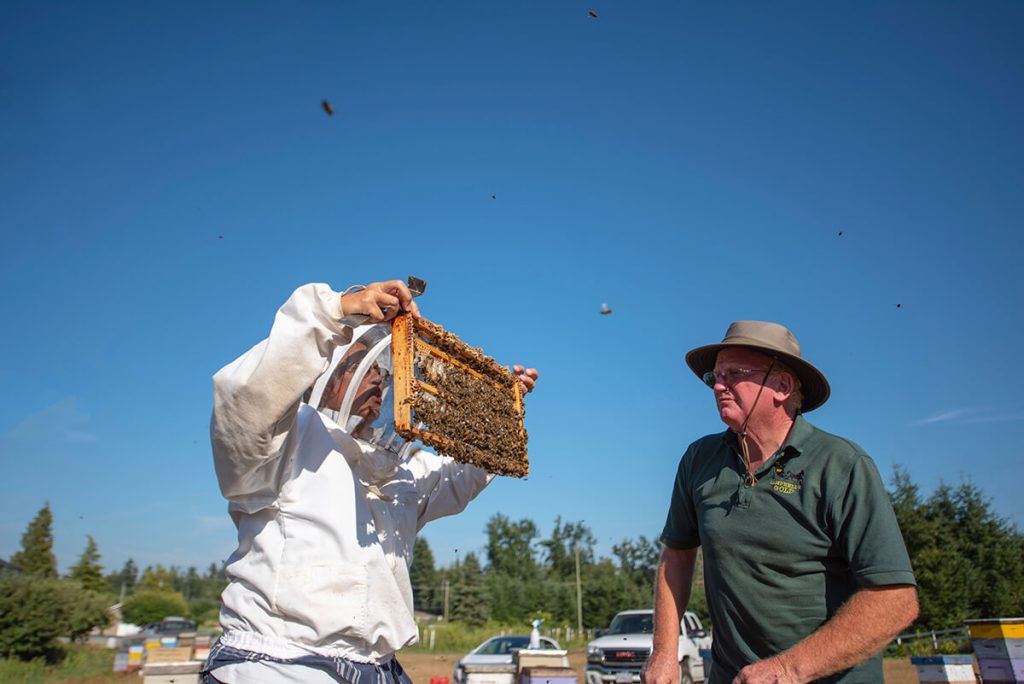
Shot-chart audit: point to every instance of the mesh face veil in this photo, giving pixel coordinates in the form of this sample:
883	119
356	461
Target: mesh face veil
356	391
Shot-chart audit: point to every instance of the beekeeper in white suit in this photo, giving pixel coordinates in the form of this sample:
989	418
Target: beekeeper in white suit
326	497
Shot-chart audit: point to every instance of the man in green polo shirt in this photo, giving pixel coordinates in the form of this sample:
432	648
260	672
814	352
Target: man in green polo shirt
806	572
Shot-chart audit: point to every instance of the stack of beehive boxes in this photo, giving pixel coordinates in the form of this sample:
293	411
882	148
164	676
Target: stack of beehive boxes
130	659
547	666
202	648
168	659
999	646
170	665
946	669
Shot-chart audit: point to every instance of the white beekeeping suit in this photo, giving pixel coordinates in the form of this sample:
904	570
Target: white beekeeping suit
326	498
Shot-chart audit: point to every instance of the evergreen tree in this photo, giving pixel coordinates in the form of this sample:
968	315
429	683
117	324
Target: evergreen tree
423	577
36	555
217	581
606	591
968	562
192	584
639	560
468	593
87	571
158	578
124	580
510	547
505	598
992	548
560	548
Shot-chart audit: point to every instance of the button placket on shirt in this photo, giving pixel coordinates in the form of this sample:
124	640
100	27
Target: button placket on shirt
745	491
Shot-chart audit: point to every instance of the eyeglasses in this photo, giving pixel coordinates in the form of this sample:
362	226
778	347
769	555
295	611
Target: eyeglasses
731	376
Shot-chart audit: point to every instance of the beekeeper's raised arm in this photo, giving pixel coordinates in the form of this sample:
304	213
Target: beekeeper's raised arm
257	396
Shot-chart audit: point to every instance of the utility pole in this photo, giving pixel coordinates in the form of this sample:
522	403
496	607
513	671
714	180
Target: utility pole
579	593
446	600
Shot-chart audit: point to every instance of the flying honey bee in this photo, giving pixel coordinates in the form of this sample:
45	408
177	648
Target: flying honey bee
605	310
593	14
327	108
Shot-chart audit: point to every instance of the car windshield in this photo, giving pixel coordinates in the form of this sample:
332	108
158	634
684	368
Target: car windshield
503	645
641	623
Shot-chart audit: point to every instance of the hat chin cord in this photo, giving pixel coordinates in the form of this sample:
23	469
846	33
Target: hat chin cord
750	480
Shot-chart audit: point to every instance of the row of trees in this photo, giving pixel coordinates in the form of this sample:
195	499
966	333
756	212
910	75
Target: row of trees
523	575
37	605
968	562
157	592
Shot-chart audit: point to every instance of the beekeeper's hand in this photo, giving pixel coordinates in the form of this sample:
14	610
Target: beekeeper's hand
527	378
380	302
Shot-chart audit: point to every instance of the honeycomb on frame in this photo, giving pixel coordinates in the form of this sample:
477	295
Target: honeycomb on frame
454	398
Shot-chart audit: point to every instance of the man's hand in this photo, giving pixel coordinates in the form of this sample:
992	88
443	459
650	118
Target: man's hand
660	669
770	671
868	621
380	302
527	378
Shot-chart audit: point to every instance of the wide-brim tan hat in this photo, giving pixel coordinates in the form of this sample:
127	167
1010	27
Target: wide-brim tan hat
775	341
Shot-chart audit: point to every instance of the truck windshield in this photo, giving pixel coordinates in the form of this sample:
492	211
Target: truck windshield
632	624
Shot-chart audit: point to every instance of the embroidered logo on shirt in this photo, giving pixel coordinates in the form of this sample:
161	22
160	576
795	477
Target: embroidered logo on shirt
783	487
790	485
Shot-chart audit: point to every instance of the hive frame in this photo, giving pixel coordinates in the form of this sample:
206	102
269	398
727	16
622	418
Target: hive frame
410	333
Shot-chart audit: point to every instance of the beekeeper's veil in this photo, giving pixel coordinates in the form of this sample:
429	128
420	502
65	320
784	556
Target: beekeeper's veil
356	391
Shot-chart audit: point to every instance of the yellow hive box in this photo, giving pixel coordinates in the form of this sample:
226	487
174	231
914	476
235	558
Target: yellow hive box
997	628
169	654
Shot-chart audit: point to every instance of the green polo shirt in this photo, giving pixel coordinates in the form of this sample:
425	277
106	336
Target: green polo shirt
781	556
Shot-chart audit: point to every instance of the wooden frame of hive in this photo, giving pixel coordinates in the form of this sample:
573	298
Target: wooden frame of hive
410	335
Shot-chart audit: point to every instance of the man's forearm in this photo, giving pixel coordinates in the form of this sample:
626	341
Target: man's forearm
862	627
671	595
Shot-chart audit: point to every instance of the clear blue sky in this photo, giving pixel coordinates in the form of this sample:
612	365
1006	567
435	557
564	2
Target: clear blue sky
688	163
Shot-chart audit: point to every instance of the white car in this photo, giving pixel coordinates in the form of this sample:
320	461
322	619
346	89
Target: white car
498	651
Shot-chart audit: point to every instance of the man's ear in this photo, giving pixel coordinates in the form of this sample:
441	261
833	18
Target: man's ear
785	386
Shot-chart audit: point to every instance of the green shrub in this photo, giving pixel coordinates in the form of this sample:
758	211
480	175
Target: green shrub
204	611
72	663
153	605
35	610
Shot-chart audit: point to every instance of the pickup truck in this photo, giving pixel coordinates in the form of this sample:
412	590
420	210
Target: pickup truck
619	652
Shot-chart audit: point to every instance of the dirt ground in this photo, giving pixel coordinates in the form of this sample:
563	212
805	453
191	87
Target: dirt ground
422	666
